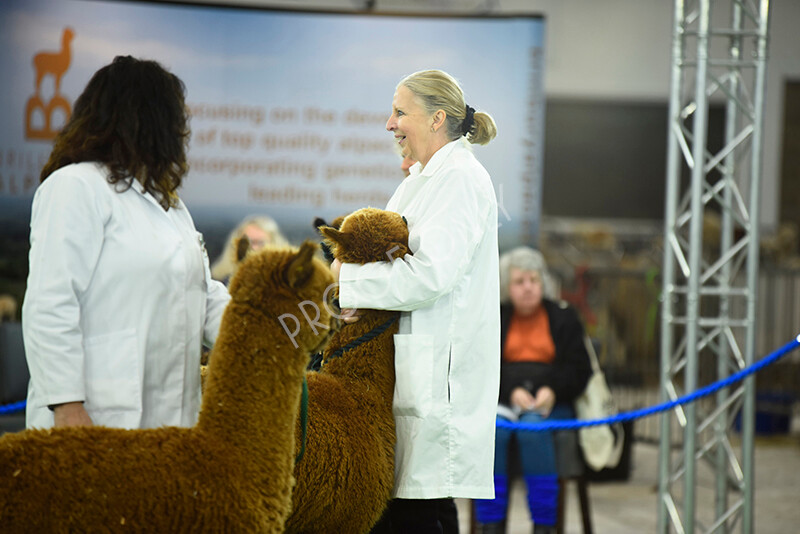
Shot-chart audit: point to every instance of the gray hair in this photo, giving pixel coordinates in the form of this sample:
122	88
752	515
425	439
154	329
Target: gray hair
525	259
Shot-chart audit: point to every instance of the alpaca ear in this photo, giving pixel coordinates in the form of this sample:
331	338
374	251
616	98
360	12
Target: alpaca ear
318	221
242	248
341	239
300	269
337	222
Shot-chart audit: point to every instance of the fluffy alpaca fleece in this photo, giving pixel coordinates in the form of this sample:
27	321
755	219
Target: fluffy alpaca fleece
232	472
345	478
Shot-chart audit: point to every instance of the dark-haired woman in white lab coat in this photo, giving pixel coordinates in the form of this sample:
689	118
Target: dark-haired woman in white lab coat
119	296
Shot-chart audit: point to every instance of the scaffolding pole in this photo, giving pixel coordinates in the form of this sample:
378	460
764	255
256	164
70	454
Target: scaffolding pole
711	258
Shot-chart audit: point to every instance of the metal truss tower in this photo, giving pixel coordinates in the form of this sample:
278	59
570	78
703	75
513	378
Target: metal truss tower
710	267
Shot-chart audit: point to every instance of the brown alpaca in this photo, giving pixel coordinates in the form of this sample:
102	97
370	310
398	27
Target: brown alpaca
232	472
345	478
55	63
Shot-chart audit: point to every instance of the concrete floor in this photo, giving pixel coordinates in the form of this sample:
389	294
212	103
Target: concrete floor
631	507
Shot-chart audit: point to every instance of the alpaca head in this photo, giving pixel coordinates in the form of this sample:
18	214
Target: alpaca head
368	235
294	287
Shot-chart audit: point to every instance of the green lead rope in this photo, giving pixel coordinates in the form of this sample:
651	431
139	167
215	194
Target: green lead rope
304	399
303	419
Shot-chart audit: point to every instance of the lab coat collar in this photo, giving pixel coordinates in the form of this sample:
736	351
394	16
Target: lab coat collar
139	188
437	159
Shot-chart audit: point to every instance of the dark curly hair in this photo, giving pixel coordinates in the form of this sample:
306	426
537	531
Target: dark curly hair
132	117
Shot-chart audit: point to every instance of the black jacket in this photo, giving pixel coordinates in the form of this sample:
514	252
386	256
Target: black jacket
571	367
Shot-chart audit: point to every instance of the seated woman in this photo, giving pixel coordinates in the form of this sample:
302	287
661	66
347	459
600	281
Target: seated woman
544	367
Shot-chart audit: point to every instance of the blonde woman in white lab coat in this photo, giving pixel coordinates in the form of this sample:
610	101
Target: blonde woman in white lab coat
119	295
447	349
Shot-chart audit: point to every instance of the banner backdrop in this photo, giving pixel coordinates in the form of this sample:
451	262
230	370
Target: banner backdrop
288	108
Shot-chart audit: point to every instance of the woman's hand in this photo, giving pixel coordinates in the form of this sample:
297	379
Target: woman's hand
545	400
71	414
336	267
521	398
349	315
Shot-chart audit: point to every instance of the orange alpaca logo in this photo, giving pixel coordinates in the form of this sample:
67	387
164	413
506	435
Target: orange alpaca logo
54	64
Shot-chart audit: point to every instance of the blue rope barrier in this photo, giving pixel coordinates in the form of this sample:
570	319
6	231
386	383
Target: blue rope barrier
619	418
645	412
12	408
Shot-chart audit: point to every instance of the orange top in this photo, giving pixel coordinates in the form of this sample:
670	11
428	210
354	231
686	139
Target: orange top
529	339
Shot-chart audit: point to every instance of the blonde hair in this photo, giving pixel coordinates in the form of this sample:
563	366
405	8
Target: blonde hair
436	90
225	264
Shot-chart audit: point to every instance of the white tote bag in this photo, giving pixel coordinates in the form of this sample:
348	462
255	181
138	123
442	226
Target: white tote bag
601	445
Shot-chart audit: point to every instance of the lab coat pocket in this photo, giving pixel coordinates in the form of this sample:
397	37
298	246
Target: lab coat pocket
113	391
413	362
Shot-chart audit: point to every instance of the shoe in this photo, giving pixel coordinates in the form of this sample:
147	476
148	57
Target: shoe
491	528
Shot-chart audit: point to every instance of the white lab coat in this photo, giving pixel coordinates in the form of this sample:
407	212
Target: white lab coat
447	351
119	299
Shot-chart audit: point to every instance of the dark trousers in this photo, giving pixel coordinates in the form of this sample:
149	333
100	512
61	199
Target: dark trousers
418	516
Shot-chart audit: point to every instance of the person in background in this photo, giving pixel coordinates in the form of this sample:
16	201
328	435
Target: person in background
544	367
119	296
8	308
447	350
406	161
406	164
260	230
